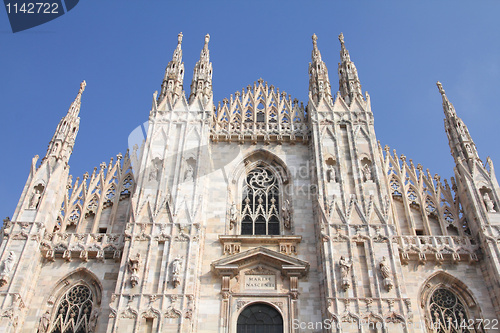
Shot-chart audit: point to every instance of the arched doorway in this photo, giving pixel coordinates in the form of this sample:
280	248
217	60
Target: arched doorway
260	318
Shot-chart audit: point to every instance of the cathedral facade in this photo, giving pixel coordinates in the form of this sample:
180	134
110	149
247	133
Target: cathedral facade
258	214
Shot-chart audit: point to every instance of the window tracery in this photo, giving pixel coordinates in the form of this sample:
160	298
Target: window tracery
395	188
447	312
430	207
74	313
260	205
127	186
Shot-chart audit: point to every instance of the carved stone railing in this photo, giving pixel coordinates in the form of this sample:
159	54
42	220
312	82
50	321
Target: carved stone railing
83	246
267	133
437	248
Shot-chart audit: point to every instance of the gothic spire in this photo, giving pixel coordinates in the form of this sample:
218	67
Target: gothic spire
174	74
61	145
202	75
319	82
349	85
462	147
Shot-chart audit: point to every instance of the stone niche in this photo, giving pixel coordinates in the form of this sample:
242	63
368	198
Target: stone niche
258	275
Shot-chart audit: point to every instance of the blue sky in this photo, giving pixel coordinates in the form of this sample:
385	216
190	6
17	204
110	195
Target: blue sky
121	49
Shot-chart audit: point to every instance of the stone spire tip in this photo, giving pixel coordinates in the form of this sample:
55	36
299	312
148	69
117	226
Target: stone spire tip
207	39
179	38
440	87
82	87
341	38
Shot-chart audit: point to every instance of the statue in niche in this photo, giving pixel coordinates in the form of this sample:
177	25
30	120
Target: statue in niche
490	207
367	172
8	263
331	174
384	269
176	271
133	266
386	274
153	173
286	211
134	263
233	216
345	268
188	176
43	325
35	198
6	268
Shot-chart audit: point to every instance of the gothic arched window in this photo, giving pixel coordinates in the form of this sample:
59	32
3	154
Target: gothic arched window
448	314
260	204
74	311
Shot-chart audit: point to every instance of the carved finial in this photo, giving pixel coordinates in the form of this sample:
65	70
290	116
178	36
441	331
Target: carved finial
82	87
440	87
207	39
315	40
260	81
341	38
179	38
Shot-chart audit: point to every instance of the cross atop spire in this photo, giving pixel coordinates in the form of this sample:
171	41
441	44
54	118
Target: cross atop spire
319	82
202	75
462	146
349	85
174	74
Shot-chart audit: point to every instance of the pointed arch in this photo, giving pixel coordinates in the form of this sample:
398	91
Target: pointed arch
412	194
110	194
395	187
77	303
258	200
430	206
266	157
74	216
127	185
444	296
92	205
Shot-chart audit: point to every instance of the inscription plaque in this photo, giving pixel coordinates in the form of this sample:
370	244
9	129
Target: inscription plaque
260	282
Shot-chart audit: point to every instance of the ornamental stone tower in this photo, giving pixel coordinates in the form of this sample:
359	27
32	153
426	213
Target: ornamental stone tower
256	214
